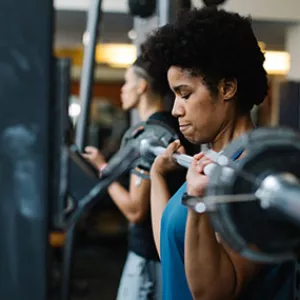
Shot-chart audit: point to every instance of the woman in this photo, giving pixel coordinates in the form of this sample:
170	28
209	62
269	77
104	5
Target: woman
215	69
145	91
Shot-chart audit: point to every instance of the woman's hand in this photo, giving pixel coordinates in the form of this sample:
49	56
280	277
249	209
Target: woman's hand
164	163
94	156
196	179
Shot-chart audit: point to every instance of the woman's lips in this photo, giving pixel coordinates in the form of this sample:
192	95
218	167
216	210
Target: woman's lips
183	127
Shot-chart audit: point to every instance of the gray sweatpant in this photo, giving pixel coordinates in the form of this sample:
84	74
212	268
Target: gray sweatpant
141	279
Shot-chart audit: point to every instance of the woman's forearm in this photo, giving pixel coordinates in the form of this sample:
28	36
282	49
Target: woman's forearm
159	198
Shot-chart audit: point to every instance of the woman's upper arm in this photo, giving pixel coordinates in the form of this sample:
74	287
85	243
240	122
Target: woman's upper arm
244	268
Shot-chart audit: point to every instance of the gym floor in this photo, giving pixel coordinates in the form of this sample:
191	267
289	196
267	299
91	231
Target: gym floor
100	266
98	262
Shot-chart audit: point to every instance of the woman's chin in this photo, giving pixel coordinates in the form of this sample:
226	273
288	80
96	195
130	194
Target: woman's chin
191	139
196	140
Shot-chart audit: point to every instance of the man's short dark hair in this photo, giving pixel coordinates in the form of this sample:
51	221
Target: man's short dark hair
153	74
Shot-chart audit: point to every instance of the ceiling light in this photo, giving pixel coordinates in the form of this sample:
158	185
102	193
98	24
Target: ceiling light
116	55
74	110
277	62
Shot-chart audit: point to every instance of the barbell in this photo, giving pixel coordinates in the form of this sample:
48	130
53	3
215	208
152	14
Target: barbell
256	208
253	203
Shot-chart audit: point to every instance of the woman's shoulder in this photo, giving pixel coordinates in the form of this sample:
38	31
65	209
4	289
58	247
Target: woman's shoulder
174	207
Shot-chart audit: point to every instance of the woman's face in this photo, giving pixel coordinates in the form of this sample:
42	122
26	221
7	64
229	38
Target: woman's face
129	91
200	114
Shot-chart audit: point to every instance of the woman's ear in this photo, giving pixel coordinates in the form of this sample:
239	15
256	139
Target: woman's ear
228	89
142	86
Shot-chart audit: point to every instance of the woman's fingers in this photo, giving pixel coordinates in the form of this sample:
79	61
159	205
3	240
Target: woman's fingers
198	156
172	148
201	164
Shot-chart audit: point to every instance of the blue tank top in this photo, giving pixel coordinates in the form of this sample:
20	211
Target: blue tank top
274	282
174	282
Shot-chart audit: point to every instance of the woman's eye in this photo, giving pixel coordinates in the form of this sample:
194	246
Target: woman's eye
185	96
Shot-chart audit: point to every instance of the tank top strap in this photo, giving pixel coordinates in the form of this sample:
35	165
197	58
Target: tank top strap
237	154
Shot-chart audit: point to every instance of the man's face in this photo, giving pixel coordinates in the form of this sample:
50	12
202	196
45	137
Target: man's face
129	91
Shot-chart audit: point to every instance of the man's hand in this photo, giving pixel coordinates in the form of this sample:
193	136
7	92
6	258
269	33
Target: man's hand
94	156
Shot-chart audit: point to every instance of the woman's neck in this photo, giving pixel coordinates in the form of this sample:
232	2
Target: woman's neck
232	130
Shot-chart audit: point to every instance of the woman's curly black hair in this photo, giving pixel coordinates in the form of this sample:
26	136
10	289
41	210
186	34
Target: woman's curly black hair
214	44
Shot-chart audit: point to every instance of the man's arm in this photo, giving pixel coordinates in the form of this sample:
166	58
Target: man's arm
134	204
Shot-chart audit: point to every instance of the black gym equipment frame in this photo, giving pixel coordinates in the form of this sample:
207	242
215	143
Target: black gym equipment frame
25	147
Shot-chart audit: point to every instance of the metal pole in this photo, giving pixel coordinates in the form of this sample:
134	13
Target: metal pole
163	12
68	257
87	74
60	139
